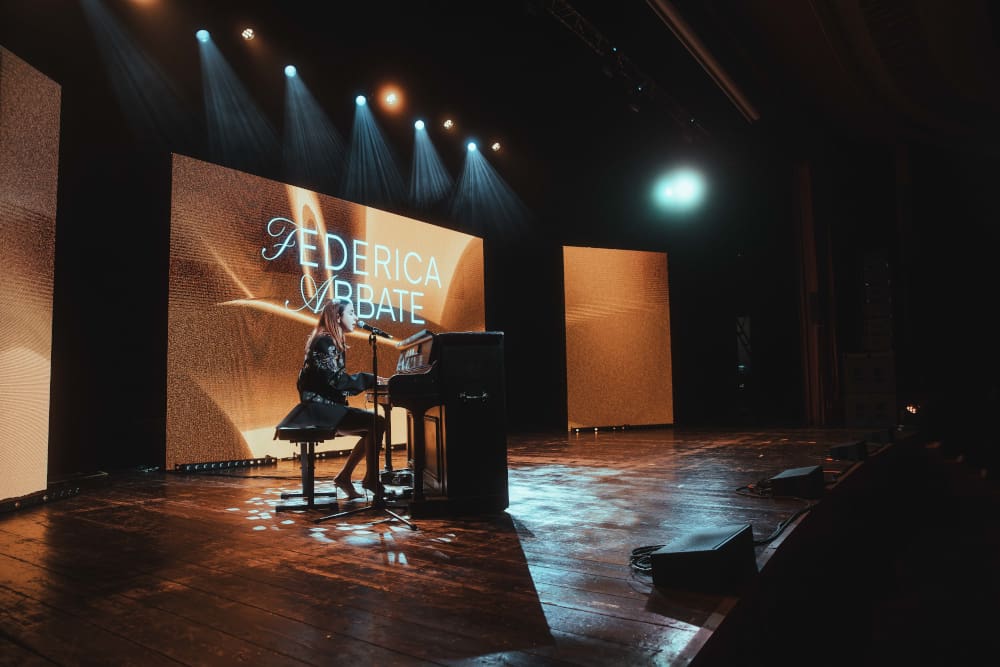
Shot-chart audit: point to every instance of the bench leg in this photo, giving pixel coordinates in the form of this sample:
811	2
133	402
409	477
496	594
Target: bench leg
307	462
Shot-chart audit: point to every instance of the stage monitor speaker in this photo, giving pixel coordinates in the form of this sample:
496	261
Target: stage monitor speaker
804	482
850	451
718	560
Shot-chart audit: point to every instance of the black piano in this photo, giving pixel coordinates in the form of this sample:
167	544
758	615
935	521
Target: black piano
452	386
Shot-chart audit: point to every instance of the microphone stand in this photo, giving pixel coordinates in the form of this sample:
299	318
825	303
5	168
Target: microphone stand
378	503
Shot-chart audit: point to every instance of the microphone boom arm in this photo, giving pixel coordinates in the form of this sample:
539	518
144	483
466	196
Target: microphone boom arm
371	329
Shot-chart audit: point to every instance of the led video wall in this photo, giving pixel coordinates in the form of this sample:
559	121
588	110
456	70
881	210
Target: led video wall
618	364
251	263
29	160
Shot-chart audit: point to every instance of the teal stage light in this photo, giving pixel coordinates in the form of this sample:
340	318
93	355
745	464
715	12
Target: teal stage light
290	71
202	35
373	178
472	147
429	180
679	190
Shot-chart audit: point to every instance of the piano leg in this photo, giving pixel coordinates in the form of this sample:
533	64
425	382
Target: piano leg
388	436
386	404
419	456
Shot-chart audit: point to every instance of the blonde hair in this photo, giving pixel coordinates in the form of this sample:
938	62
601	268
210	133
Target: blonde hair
329	324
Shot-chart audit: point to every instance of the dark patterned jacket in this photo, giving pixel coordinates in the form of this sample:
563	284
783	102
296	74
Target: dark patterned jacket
323	378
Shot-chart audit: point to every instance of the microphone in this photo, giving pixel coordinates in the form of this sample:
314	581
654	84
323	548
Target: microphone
375	330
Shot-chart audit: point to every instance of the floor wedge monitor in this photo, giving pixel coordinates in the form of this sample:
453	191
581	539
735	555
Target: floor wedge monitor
717	560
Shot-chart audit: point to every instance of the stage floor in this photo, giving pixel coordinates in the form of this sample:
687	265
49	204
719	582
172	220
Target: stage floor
198	569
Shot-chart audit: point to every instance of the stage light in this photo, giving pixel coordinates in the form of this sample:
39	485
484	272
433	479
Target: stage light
448	124
290	71
239	463
391	98
429	180
482	198
238	133
202	35
372	174
495	146
682	189
247	33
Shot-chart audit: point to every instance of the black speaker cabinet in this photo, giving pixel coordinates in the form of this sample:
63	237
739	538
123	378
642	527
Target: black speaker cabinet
718	560
850	451
466	436
804	482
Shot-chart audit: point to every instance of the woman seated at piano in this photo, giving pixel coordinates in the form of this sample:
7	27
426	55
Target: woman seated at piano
324	379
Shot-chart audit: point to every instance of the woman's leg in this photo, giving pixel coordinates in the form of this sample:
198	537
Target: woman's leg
353	459
343	478
359	422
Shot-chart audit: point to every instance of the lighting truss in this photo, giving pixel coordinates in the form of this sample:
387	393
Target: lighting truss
639	84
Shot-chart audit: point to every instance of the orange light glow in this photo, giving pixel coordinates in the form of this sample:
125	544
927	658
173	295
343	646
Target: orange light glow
391	99
29	146
307	213
594	281
224	265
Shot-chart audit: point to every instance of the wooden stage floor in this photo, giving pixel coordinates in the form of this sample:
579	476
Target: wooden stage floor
194	569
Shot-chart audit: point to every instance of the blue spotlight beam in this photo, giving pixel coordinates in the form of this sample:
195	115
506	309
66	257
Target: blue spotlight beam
147	97
429	180
239	135
372	174
482	198
313	149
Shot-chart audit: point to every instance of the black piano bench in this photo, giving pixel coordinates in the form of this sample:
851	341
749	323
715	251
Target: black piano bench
307	425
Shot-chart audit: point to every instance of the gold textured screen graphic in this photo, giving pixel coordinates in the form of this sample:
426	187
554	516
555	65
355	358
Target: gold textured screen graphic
618	369
29	159
251	261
